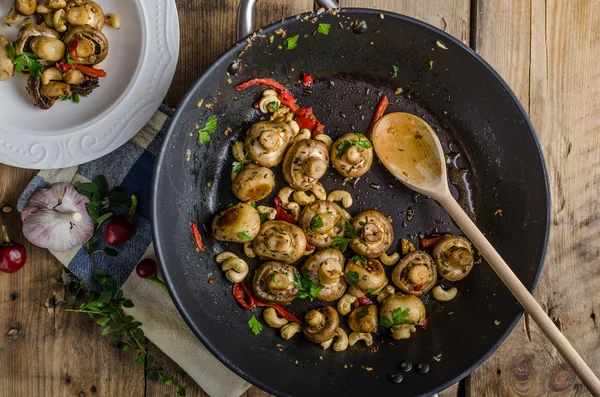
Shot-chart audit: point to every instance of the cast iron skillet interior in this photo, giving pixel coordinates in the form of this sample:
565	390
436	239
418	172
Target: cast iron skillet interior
477	117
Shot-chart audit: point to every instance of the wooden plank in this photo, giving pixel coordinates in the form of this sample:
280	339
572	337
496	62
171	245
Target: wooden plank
51	355
554	44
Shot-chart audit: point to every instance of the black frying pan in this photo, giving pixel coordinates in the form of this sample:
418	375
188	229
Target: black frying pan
476	115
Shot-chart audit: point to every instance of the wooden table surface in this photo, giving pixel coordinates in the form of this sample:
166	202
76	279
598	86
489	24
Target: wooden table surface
549	53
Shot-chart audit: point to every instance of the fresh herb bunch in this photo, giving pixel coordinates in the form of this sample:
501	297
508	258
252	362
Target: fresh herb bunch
361	141
106	308
349	235
399	317
306	288
26	59
209	128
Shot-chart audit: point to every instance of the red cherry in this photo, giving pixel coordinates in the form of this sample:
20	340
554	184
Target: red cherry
146	268
119	231
12	255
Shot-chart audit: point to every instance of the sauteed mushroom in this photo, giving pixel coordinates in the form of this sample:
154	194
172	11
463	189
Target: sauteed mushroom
375	234
364	319
279	241
364	276
34	89
25	7
320	324
326	269
352	155
267	141
48	46
253	184
91	47
89	84
239	224
273	282
415	274
304	163
453	257
88	13
7	67
321	221
400	313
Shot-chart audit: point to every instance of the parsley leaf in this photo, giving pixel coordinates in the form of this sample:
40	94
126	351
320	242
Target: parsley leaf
349	235
398	317
363	313
70	60
360	259
370	291
317	222
274	106
291	42
342	147
394	73
352	277
209	128
361	141
255	325
263	217
350	231
238	166
31	61
324	28
306	288
11	51
244	236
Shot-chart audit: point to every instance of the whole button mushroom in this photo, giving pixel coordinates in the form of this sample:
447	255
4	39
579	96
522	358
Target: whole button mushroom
253	184
280	241
239	224
91	45
7	67
273	282
415	274
321	222
352	155
267	141
85	12
326	269
363	319
375	234
454	257
364	276
400	313
25	7
321	324
49	45
305	163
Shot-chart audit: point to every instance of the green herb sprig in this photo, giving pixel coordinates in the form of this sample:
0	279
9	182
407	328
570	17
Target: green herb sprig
395	70
399	317
306	288
316	222
361	141
255	325
349	235
238	166
26	59
209	128
291	42
323	28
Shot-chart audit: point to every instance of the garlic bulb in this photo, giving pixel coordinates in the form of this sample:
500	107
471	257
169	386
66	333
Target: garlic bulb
56	218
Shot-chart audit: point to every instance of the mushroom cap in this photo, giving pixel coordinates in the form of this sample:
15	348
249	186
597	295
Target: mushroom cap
333	219
27	34
253	184
236	224
7	67
368	277
355	161
48	48
267	141
34	89
395	302
454	257
273	282
375	234
425	278
280	241
364	319
326	330
96	18
326	269
95	36
304	163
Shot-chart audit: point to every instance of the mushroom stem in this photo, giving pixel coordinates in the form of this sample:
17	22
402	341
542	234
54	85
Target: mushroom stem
315	318
329	273
5	234
460	257
278	282
418	274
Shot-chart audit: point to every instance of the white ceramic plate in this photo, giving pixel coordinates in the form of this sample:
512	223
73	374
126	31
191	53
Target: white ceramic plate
140	67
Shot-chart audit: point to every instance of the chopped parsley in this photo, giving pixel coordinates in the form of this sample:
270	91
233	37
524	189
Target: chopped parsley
363	313
394	73
399	317
255	325
306	288
244	236
70	60
324	28
291	42
370	291
317	222
352	277
360	259
263	217
209	128
349	235
238	166
361	141
252	203
274	106
26	59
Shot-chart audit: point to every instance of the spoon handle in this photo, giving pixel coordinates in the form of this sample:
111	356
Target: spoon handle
519	291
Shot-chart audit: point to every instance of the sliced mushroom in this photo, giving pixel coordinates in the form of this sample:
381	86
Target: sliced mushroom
239	224
280	241
352	155
322	221
454	257
375	234
73	76
94	15
56	89
415	274
321	324
305	163
253	184
326	269
34	89
273	282
91	47
30	32
365	276
89	84
267	141
7	67
363	319
401	313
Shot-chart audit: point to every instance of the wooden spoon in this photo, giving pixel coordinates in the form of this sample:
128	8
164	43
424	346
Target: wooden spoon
412	152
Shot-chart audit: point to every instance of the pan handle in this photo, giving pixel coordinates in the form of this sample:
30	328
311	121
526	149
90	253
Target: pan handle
245	23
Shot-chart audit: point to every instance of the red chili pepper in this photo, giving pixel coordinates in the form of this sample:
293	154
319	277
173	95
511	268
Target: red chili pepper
63	66
307	80
197	237
365	301
431	241
309	247
285	314
90	71
383	103
356	303
72	49
211	281
305	122
417	288
261	81
282	215
244	299
423	323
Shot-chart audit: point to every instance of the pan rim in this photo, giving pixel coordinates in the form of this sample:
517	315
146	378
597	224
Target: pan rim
160	163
